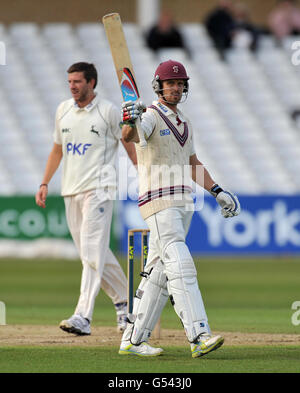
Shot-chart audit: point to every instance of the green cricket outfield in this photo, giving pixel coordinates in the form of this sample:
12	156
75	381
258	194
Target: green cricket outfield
249	300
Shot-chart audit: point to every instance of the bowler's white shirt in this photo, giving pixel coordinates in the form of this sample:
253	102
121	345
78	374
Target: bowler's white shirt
89	138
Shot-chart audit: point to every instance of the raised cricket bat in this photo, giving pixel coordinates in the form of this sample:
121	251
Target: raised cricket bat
120	54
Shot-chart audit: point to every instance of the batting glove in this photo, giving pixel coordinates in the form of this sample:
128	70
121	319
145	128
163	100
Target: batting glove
132	111
227	200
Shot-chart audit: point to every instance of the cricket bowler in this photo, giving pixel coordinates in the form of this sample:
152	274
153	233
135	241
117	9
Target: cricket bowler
86	138
165	206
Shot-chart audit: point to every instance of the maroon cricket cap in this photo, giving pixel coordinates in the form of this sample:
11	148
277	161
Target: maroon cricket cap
170	69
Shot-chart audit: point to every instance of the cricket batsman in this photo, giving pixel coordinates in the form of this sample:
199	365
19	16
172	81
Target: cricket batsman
86	139
165	206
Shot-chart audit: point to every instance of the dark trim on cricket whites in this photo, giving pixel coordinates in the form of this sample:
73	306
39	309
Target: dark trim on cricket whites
161	192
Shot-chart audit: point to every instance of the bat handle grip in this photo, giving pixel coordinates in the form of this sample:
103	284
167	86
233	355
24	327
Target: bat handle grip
141	134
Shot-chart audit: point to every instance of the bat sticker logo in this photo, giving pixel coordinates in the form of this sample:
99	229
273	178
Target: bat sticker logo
128	86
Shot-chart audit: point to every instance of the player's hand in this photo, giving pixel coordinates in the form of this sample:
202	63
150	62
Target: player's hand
41	196
229	203
227	200
131	111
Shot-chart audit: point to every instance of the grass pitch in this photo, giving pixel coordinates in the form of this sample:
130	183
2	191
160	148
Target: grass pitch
282	359
241	295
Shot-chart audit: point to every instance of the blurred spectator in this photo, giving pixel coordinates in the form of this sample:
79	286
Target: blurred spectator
230	25
165	34
246	34
220	25
284	19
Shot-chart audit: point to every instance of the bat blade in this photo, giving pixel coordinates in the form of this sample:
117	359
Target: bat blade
121	58
117	42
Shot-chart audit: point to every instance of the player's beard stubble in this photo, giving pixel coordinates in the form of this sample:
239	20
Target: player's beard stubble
80	96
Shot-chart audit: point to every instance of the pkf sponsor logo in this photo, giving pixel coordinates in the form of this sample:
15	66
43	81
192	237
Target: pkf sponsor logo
78	148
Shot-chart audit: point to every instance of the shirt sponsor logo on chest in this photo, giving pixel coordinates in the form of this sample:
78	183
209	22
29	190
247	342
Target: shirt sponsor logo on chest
164	132
78	148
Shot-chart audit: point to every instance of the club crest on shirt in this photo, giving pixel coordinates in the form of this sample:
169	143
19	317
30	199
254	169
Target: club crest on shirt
164	132
94	131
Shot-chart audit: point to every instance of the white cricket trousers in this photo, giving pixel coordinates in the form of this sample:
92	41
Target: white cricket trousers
168	230
167	226
89	222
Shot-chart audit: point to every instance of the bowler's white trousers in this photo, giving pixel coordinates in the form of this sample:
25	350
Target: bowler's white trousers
89	221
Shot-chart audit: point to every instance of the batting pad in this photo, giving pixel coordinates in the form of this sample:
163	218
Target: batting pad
183	286
147	309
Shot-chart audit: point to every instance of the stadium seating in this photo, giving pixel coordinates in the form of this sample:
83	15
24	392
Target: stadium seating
240	108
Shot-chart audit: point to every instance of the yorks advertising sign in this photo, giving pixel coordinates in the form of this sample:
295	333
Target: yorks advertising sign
266	224
21	218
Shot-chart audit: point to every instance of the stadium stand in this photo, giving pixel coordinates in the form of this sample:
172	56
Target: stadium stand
240	108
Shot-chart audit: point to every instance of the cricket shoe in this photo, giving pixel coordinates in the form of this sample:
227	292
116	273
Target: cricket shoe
144	350
121	310
206	344
76	325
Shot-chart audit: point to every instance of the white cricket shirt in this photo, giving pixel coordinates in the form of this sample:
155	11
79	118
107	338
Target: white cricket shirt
163	165
89	137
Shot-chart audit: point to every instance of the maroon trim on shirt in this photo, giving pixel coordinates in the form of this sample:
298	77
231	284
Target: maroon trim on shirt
182	138
161	192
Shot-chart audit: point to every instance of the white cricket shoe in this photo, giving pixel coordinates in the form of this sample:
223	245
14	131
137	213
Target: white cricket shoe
206	344
144	349
76	325
121	310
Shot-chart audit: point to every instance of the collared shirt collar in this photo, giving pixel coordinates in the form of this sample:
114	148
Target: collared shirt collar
89	106
167	111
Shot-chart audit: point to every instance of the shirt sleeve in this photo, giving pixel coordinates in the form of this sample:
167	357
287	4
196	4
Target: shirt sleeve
192	145
148	123
57	132
114	121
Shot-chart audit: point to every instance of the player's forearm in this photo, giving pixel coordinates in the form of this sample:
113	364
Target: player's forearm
129	134
200	174
53	162
130	149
